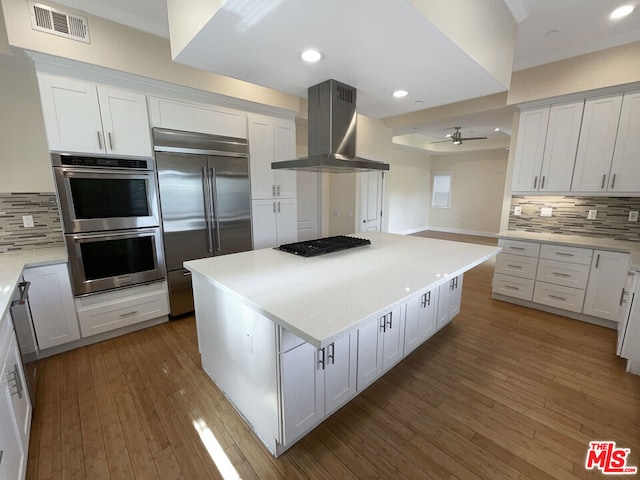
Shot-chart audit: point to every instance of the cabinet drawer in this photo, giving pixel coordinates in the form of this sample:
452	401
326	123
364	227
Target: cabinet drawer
516	247
98	314
567	254
572	275
558	296
516	265
521	288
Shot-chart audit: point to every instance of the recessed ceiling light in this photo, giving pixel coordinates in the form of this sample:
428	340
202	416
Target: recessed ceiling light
621	12
496	129
311	55
400	93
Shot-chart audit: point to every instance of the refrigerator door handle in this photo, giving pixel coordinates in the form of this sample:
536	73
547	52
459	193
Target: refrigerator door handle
207	206
214	209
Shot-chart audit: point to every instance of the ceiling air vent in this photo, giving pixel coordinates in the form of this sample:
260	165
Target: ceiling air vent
47	19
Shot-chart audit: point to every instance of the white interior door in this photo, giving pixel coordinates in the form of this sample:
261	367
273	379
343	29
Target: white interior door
371	201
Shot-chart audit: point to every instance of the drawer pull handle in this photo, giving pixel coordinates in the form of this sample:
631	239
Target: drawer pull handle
514	266
558	274
604	181
622	296
516	248
509	287
556	297
564	254
535	183
613	181
597	260
128	314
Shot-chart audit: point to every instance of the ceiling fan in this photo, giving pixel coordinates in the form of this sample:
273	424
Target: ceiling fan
456	137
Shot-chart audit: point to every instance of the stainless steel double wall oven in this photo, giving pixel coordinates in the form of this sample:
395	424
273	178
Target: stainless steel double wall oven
110	220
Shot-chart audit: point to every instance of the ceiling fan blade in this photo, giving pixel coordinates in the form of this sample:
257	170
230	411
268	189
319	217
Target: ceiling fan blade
473	138
442	141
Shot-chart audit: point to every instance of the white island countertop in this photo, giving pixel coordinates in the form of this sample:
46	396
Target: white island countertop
323	298
12	264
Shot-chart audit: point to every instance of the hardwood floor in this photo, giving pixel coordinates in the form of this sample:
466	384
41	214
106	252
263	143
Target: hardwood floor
503	392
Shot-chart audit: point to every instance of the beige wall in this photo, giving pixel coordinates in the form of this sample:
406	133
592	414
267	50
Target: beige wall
342	200
124	49
408	188
602	69
4	41
24	154
477	187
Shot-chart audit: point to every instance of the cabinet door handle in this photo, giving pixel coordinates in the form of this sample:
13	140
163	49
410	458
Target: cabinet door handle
321	358
604	181
535	182
597	260
110	140
99	140
428	294
383	324
613	180
622	296
278	207
332	351
389	320
278	188
274	207
542	184
556	297
273	190
16	379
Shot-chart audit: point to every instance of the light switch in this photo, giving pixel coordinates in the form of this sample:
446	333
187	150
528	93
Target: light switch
592	214
633	216
27	221
546	211
517	211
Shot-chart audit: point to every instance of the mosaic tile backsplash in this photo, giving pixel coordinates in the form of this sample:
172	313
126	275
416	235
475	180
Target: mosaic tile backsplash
569	216
47	230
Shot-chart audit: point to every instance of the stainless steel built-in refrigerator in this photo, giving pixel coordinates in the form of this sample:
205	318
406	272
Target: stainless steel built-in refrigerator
205	201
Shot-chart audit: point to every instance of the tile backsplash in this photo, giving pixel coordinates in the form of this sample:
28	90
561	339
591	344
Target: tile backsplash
47	230
569	216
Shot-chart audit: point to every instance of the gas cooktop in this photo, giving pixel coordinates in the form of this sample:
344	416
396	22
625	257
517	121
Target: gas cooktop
320	246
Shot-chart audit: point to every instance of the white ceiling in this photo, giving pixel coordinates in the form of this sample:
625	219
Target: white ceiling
548	30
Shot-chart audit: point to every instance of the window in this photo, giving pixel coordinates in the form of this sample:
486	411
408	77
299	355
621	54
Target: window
441	190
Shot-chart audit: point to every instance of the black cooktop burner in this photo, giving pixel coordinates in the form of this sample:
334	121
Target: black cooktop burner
320	246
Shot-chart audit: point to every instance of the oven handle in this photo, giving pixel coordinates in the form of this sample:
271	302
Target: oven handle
207	219
137	233
214	202
115	172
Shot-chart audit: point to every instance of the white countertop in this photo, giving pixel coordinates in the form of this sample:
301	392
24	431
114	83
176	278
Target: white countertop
633	248
12	264
322	298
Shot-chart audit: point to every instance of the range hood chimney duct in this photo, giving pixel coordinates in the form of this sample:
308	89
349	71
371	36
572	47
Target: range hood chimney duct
332	133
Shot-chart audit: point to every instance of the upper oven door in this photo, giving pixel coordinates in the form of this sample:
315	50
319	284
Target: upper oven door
100	199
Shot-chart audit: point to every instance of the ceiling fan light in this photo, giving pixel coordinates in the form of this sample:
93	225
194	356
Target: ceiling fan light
457	142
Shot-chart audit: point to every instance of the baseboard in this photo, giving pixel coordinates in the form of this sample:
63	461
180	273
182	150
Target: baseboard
477	233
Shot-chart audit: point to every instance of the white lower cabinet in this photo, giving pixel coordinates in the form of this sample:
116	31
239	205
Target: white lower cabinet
52	307
606	281
315	383
449	301
420	319
107	311
380	346
15	406
274	222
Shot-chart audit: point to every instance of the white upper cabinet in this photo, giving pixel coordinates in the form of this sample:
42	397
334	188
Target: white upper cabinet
546	148
625	169
532	133
195	117
597	142
271	139
560	147
85	117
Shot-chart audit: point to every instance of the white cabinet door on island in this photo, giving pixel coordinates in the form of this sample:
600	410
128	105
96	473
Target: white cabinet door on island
288	339
420	319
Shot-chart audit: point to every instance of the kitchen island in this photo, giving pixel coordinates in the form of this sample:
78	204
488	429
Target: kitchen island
289	339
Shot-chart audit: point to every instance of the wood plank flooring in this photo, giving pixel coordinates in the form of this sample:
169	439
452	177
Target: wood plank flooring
503	392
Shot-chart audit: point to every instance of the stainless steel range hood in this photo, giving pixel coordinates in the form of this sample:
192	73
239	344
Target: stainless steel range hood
332	133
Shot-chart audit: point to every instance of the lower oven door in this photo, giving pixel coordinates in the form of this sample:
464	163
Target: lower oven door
107	260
